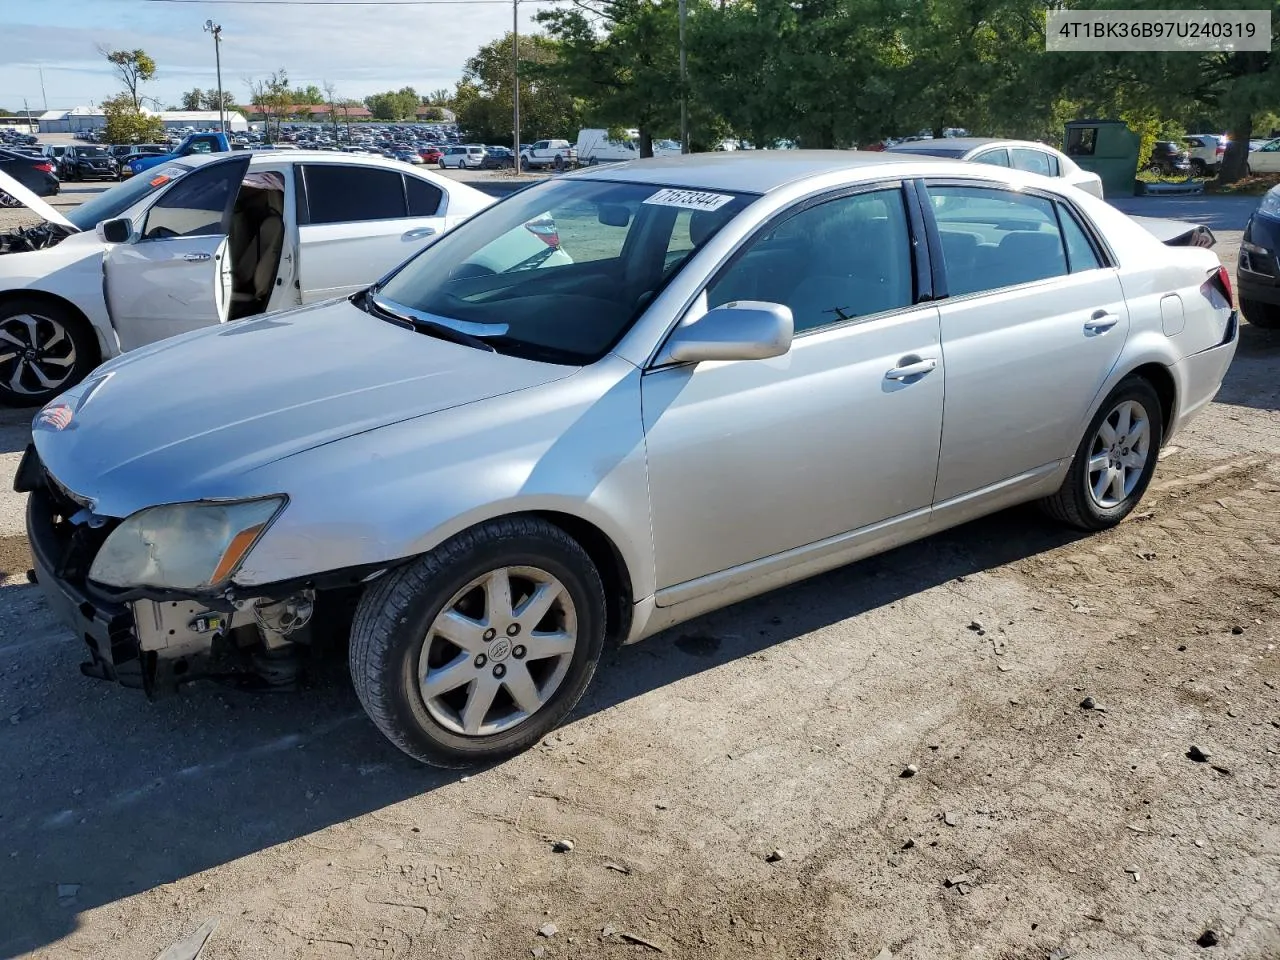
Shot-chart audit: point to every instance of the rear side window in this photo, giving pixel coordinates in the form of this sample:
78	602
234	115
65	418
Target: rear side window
424	198
1081	254
339	194
1035	161
996	158
993	238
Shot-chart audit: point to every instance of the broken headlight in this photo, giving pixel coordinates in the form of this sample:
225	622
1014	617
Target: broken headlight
183	546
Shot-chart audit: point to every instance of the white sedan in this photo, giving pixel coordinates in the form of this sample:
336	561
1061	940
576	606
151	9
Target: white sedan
1015	154
1266	159
200	241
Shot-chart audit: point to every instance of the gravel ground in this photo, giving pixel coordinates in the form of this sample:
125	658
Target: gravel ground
783	724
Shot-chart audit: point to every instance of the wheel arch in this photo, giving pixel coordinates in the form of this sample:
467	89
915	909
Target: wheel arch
1162	382
609	563
44	296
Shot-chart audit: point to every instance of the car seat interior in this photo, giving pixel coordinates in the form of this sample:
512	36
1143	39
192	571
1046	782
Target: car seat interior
256	242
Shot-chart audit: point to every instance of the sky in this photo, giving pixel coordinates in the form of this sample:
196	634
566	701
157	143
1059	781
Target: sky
361	49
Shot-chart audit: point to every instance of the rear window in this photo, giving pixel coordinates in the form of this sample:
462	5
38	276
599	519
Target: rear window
953	152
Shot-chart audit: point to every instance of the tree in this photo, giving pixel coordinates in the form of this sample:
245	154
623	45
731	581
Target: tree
482	100
210	100
126	124
193	99
135	68
437	98
309	94
621	58
399	104
272	97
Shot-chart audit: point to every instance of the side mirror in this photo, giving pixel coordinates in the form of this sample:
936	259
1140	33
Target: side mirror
740	330
116	231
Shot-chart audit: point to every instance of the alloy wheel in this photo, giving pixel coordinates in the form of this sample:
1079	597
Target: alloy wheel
36	355
497	651
1119	454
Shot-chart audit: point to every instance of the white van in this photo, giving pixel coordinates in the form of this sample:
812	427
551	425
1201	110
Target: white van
594	146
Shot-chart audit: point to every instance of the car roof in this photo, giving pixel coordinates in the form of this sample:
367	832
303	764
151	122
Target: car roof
966	144
759	171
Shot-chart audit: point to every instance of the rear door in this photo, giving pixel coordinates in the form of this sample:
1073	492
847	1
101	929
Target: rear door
175	276
355	223
1032	323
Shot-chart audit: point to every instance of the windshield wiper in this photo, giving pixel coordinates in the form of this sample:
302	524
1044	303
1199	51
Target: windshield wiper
458	331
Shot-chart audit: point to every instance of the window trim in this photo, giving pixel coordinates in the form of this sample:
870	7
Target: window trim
301	173
1061	209
1100	246
920	255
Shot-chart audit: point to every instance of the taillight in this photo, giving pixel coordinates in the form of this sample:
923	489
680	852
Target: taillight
545	230
1221	150
1220	280
45	167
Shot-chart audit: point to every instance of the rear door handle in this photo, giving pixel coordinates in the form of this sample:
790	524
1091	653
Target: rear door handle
197	257
1101	322
912	367
418	234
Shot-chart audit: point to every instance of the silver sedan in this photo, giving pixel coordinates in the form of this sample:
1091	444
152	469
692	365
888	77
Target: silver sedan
724	373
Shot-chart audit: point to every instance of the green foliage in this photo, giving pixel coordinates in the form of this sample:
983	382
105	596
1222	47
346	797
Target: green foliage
272	98
482	100
399	104
134	67
127	124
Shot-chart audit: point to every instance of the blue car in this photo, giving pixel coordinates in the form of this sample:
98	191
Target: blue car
1258	270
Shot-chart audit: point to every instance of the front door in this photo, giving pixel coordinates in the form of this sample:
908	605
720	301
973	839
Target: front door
360	222
1034	321
748	459
176	275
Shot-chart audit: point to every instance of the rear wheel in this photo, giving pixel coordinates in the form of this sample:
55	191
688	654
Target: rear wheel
45	349
1263	315
478	649
1198	168
1115	460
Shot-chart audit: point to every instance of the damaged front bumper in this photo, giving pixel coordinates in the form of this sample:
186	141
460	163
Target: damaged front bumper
152	644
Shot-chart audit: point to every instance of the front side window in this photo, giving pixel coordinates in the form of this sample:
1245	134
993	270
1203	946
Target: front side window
566	266
342	194
993	238
197	205
830	263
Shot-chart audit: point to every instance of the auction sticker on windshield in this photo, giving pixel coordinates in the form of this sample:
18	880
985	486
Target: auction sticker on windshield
689	199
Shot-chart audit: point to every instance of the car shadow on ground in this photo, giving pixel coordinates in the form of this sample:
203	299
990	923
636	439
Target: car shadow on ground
108	796
1241	387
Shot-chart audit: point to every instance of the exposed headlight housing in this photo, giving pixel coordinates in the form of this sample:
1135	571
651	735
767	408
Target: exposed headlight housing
184	546
1271	202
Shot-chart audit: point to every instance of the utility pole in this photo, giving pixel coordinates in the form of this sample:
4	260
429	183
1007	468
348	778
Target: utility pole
43	96
27	111
216	30
515	76
684	81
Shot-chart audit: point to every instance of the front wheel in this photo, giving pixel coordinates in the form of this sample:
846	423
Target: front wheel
44	350
1198	168
1115	461
1265	316
479	648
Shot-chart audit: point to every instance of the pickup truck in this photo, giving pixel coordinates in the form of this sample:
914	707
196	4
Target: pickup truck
194	143
549	153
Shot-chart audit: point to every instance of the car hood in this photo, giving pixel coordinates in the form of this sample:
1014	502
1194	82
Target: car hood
33	203
187	418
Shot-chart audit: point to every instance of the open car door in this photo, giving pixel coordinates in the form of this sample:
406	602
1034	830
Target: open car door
174	274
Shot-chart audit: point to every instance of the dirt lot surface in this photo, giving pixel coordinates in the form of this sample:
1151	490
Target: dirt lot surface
783	724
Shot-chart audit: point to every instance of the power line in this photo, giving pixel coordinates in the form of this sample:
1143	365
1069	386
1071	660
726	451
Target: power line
347	3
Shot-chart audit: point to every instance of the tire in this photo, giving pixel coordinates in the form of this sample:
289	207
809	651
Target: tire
1075	503
61	335
395	627
1198	168
1265	316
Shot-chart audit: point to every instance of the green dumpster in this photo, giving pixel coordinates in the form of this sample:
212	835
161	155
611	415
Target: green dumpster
1109	149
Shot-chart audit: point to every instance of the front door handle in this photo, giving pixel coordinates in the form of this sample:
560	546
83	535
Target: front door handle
1101	322
197	257
418	233
909	367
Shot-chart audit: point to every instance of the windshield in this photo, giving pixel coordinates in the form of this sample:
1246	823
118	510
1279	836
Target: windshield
93	152
566	266
111	203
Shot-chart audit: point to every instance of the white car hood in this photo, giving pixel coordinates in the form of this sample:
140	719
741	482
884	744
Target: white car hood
188	418
33	203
